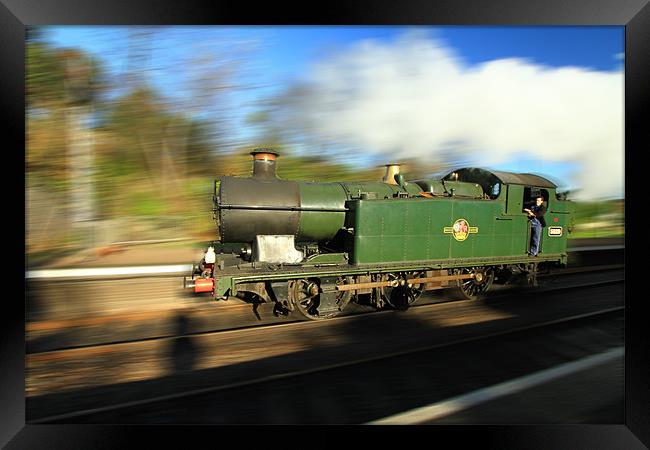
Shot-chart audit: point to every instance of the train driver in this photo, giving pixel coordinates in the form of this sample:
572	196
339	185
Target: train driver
537	222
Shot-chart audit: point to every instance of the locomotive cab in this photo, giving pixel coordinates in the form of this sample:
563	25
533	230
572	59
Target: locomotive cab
516	192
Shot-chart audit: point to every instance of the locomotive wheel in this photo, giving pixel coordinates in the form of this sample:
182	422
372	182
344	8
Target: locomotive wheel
317	299
403	295
474	288
415	290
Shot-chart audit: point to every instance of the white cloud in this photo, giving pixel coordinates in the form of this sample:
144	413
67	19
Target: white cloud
416	97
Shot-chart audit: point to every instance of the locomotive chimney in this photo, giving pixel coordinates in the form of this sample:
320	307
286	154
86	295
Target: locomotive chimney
391	171
264	163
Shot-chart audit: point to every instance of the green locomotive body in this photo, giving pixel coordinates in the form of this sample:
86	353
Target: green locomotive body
315	247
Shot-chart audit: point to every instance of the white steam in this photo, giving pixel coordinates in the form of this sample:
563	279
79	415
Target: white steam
416	98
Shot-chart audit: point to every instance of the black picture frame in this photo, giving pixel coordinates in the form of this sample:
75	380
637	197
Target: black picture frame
15	15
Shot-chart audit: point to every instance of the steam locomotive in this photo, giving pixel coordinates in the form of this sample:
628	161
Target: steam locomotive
312	248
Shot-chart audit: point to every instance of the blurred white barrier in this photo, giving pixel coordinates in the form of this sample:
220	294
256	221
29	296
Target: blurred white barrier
108	271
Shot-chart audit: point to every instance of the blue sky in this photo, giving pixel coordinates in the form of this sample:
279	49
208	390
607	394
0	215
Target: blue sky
292	47
282	54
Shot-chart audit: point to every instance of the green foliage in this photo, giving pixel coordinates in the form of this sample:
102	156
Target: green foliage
598	233
314	169
44	75
585	210
58	77
599	219
145	204
199	156
152	137
589	211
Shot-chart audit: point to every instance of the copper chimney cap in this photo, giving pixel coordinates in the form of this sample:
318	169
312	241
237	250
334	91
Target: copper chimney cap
264	163
265	154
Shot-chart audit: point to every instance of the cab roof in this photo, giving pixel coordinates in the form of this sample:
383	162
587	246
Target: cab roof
476	175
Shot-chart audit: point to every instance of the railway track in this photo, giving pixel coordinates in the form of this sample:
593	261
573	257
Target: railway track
203	316
135	374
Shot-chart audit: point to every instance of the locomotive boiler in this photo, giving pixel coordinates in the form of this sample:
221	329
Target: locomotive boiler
315	247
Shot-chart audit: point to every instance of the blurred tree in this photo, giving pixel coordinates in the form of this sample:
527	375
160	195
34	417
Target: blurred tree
51	75
142	120
200	154
45	73
51	71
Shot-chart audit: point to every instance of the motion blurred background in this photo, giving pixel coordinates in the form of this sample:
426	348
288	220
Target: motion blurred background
127	127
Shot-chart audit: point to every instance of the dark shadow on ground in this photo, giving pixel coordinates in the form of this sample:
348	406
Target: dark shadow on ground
184	350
